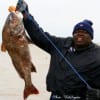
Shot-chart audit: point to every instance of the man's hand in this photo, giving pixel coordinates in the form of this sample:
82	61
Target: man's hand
93	94
22	6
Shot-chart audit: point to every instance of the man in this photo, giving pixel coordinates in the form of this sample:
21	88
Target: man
80	51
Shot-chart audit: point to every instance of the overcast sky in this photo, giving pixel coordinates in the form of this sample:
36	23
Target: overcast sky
58	17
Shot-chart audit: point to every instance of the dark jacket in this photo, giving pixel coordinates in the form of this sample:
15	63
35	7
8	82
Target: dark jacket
60	76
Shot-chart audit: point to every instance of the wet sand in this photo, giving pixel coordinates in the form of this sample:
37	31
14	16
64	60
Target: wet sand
11	85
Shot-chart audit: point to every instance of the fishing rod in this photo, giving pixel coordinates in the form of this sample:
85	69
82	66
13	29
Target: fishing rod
60	53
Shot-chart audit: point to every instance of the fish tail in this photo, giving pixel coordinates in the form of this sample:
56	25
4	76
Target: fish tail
30	90
3	48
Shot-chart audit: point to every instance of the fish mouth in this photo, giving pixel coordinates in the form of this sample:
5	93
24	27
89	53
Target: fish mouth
14	19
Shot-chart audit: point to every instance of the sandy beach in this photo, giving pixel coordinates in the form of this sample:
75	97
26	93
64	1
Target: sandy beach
11	85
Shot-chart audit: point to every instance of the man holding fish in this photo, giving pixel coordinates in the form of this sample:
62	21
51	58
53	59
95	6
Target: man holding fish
62	82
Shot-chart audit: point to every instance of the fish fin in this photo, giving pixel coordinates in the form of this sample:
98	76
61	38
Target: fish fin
33	69
3	48
29	40
29	91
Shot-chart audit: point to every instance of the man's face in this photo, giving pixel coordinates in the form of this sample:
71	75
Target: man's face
81	38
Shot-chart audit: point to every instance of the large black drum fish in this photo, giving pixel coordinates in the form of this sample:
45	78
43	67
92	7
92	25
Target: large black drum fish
15	41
